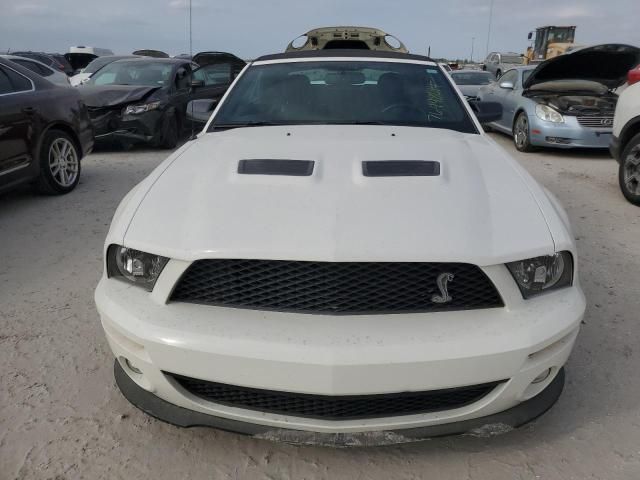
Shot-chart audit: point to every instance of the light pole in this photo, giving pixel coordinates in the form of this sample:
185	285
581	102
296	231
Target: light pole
489	30
473	40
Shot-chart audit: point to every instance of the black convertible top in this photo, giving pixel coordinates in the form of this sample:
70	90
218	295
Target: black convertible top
343	53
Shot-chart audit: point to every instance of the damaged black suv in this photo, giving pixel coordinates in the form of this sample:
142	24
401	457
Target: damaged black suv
144	100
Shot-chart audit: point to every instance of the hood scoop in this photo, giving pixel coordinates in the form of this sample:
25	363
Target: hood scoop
294	168
401	168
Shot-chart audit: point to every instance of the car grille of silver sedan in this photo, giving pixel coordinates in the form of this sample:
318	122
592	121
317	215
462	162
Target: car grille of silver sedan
335	288
595	121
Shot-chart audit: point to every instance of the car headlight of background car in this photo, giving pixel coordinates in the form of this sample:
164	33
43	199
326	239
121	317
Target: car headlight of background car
138	109
548	114
134	266
542	274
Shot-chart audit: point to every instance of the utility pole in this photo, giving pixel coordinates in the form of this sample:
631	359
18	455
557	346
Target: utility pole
489	30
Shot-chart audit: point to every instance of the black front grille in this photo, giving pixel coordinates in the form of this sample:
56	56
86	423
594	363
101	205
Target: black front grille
335	288
323	407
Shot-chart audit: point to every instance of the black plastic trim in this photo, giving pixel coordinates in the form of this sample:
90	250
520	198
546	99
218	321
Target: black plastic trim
295	168
512	418
401	168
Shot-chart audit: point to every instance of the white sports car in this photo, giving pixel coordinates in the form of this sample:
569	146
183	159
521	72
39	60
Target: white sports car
342	256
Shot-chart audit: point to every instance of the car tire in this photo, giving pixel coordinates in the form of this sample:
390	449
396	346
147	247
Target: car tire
629	171
170	132
59	159
521	135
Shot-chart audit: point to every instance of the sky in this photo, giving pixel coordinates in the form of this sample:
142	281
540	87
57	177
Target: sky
253	28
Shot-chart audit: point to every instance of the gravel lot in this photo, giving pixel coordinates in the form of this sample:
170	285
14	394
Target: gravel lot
61	416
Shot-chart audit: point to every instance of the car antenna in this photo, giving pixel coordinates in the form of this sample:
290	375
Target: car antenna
193	135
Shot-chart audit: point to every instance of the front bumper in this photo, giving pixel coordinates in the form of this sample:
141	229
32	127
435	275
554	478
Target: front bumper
340	355
569	134
112	125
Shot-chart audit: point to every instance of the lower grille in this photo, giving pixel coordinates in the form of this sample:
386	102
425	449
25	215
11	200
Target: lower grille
322	407
596	121
334	288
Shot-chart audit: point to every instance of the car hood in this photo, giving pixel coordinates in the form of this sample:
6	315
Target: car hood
112	95
479	209
607	64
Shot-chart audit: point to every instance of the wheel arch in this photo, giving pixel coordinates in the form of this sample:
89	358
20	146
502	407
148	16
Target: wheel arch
630	130
66	128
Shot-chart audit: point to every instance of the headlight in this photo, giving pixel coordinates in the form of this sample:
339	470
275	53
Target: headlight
542	274
138	109
548	114
134	266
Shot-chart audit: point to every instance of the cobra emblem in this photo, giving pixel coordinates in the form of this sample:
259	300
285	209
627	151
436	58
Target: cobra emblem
443	280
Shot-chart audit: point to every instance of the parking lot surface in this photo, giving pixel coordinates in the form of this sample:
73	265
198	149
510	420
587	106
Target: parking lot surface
62	417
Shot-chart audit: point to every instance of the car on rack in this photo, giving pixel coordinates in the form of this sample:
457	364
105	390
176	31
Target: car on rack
497	63
51	74
625	142
144	100
565	102
346	37
45	131
342	256
470	81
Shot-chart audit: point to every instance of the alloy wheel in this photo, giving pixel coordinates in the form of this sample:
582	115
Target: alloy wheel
63	162
631	171
521	131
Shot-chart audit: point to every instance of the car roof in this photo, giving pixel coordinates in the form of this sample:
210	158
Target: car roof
143	59
344	53
470	70
26	59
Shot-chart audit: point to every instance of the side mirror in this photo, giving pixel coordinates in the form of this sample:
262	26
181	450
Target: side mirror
487	112
530	36
199	111
197	83
507	85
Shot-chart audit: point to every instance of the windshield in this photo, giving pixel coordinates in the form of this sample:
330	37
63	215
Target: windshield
133	73
526	74
98	63
344	92
472	78
514	59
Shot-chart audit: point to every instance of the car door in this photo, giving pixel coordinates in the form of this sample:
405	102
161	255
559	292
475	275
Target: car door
180	93
212	81
510	97
16	131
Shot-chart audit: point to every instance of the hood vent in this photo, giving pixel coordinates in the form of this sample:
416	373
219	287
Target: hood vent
401	168
294	168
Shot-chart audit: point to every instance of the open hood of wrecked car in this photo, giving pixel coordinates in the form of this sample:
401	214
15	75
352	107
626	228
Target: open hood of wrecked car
112	95
211	58
607	64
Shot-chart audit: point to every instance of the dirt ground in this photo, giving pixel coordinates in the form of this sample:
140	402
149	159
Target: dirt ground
61	416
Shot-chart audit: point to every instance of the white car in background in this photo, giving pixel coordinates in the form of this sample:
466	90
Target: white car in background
339	258
625	142
54	76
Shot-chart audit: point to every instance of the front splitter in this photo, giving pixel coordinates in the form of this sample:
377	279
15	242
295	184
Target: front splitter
484	426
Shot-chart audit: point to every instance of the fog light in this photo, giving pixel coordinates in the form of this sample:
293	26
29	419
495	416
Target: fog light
543	376
131	367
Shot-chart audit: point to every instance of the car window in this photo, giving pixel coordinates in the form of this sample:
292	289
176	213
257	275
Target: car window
142	73
510	76
345	92
216	74
34	67
13	82
182	80
525	75
472	78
